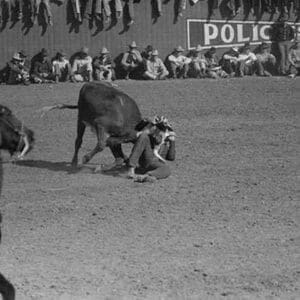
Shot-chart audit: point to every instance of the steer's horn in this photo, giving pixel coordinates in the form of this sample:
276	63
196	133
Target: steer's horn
26	147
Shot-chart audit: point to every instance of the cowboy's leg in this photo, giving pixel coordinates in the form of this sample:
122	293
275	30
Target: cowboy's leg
159	170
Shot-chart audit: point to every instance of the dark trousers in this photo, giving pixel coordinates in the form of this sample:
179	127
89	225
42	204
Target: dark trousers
229	67
234	5
283	48
179	71
263	68
142	154
11	5
63	74
295	70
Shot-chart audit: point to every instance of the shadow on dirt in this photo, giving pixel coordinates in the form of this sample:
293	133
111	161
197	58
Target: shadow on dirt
67	167
52	166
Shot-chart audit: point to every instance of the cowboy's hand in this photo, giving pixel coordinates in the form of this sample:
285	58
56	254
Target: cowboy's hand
172	136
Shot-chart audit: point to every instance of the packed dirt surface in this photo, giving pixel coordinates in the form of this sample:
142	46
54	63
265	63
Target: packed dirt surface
224	225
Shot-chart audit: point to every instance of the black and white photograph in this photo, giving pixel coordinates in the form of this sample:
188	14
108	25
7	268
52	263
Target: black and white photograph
149	149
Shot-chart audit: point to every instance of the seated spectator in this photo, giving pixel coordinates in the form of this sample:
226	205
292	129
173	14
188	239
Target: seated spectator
102	66
42	68
294	59
82	69
25	62
178	63
16	71
247	61
230	61
132	60
146	54
265	61
155	68
198	63
214	70
61	67
142	156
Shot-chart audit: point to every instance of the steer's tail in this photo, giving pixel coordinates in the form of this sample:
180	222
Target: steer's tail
45	109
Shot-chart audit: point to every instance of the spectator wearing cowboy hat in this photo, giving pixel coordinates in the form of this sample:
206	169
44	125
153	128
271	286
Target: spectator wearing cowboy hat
25	62
265	61
131	60
16	72
61	67
229	61
198	63
42	68
155	68
247	61
82	69
102	66
214	70
294	59
178	63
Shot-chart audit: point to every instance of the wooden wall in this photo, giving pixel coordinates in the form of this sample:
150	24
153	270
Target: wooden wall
163	33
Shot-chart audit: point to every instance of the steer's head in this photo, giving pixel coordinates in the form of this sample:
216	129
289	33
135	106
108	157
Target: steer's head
15	137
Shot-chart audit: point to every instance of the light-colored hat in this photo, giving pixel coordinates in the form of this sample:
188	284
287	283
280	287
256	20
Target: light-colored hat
16	56
133	45
85	50
198	48
61	53
104	51
155	52
235	49
179	49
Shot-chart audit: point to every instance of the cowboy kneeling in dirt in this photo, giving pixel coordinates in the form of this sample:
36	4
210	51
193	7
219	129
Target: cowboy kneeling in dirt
143	157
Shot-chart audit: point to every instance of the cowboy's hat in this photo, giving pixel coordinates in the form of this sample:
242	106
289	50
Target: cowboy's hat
104	51
155	52
84	50
16	56
198	48
178	49
133	45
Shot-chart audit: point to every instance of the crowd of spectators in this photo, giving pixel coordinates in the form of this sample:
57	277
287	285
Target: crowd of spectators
197	63
104	10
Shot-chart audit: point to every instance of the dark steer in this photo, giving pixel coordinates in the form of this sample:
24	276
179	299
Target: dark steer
112	114
7	290
14	136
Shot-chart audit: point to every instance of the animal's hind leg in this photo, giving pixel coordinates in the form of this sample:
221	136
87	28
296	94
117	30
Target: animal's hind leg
80	132
118	154
101	143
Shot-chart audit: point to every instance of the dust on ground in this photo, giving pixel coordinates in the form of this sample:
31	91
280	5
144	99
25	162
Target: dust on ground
224	225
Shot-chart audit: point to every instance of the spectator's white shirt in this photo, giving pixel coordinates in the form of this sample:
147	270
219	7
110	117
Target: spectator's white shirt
61	64
248	58
82	65
179	60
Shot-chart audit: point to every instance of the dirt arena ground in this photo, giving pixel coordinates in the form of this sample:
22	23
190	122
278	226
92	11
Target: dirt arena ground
224	225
